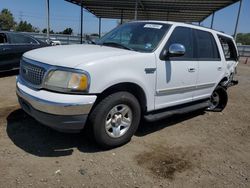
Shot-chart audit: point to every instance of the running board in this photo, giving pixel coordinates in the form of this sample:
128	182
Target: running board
175	111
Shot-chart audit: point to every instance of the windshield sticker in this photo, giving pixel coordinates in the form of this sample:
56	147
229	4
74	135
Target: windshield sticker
153	26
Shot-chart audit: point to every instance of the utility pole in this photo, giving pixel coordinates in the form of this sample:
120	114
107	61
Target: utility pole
48	20
212	21
121	22
81	21
136	9
237	21
100	27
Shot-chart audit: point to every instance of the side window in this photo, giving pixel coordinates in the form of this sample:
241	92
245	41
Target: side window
21	39
206	46
3	38
182	35
228	47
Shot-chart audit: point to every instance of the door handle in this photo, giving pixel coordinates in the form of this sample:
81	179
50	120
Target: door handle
150	70
191	69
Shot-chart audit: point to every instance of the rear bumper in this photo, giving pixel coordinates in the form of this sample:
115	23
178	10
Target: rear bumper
62	112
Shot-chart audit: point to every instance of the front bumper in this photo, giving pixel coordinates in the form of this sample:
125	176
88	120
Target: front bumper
63	112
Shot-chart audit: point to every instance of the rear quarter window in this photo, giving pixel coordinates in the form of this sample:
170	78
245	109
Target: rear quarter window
228	47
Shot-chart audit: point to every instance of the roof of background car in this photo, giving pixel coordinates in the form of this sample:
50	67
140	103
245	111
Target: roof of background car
21	33
25	34
186	25
14	32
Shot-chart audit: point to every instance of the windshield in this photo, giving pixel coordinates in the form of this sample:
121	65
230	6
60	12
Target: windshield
137	36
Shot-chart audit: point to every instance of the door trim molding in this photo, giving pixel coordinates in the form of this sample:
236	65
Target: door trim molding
185	89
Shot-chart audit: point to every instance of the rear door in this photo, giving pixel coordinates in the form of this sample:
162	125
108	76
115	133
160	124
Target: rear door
176	76
211	68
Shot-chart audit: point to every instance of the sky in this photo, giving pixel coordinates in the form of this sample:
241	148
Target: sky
64	14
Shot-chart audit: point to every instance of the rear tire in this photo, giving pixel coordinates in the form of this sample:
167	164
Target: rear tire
218	100
115	119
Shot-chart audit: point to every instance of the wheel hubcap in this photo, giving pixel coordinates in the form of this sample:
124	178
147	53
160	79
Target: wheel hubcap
118	121
214	101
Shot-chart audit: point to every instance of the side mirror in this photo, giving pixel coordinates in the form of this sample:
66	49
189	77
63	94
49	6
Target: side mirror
175	50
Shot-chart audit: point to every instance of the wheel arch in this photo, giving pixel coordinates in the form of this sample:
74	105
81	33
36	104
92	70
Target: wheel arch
130	87
223	82
224	79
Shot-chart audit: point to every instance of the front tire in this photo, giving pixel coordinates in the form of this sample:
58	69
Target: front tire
115	119
218	100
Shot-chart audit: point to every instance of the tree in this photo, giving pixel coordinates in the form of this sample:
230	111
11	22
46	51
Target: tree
68	31
24	26
36	29
6	20
243	38
45	31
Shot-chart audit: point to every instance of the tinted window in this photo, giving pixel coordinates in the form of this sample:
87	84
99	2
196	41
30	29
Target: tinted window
3	38
206	46
182	35
228	47
21	39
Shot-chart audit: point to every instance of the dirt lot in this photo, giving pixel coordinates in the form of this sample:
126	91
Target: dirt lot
194	150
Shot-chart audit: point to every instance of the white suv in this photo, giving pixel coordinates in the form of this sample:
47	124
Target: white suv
146	69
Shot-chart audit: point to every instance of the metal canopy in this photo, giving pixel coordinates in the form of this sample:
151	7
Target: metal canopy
171	10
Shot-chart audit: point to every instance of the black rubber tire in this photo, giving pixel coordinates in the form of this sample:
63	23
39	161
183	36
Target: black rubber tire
223	98
98	116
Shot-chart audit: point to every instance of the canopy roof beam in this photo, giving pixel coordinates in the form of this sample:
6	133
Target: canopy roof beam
171	10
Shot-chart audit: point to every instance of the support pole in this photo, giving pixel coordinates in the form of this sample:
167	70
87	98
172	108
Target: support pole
121	22
100	27
212	21
81	22
136	9
48	20
237	21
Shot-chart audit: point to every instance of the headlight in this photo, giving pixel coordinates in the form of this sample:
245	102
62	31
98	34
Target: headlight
65	81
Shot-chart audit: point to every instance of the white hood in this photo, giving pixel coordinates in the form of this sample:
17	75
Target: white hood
74	55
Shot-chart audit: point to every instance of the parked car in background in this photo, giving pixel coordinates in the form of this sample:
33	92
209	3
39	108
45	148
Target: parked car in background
147	69
12	47
53	42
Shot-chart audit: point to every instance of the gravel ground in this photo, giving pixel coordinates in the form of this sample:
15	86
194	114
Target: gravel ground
201	149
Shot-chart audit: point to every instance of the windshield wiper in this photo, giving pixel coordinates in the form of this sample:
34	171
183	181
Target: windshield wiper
118	45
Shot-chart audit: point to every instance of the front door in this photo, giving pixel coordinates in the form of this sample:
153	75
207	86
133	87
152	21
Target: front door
176	76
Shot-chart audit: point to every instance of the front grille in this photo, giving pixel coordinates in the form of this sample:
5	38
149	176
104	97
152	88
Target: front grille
31	73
